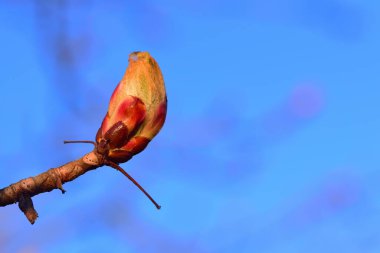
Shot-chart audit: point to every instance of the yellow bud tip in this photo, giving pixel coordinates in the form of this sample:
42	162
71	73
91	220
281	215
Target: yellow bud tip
135	56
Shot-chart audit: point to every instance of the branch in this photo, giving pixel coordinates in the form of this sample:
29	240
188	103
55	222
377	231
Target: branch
136	113
23	191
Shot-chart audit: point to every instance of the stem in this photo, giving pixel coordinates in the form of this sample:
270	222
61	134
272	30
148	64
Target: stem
117	167
68	142
23	191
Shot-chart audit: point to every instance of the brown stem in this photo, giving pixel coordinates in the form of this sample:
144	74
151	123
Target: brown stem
117	167
24	190
90	142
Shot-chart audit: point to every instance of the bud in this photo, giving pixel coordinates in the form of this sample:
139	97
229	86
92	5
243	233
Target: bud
136	112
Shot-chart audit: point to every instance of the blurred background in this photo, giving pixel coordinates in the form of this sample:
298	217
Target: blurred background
271	142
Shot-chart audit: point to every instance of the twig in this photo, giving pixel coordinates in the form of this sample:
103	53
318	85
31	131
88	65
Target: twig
136	113
23	191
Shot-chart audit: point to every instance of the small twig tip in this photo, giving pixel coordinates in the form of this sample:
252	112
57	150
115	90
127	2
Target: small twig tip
90	142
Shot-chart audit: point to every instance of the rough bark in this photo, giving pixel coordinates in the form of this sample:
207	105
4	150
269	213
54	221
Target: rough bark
23	191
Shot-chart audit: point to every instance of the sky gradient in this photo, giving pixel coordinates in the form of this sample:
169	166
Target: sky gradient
271	142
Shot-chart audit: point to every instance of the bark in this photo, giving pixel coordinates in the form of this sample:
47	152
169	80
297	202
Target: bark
23	191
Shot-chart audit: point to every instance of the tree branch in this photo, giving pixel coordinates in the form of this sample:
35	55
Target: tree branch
23	191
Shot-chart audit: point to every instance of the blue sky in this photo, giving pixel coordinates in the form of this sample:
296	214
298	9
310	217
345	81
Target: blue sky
271	140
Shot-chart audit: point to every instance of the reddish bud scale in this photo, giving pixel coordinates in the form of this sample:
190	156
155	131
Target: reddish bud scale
136	112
